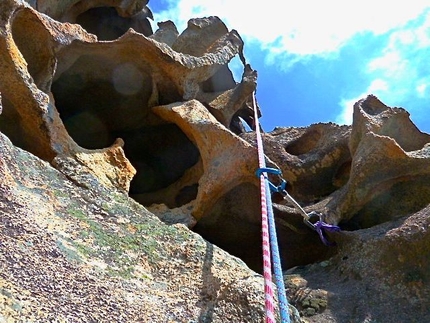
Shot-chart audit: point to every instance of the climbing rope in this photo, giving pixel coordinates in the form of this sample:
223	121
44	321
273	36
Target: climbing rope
270	241
313	220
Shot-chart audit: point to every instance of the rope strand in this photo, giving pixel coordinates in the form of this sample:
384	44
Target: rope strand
279	277
269	238
267	267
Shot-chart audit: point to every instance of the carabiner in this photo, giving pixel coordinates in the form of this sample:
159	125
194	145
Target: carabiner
310	218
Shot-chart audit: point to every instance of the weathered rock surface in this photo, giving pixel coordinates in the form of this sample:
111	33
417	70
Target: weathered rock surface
75	254
103	107
68	93
389	169
379	274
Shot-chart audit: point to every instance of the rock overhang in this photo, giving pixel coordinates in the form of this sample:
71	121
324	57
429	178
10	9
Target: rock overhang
109	108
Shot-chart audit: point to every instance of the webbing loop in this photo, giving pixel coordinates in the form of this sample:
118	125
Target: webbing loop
320	227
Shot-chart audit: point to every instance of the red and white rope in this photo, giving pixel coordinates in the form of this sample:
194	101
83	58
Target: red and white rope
267	265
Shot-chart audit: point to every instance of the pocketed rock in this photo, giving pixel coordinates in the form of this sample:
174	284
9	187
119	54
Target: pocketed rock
111	117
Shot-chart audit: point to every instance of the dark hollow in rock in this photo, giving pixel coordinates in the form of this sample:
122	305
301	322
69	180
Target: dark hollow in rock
100	99
237	230
186	194
161	154
305	143
234	228
106	24
393	201
342	173
311	189
222	80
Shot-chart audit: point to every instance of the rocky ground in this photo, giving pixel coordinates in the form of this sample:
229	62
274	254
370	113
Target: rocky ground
72	254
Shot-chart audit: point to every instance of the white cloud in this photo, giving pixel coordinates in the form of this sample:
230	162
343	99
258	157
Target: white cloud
397	73
402	58
391	63
378	87
288	32
299	27
422	89
345	117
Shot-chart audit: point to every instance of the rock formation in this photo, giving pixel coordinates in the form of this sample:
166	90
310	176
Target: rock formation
119	126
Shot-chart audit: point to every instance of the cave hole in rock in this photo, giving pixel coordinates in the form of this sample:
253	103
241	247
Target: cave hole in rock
100	99
222	80
312	187
106	24
405	196
234	225
235	65
342	174
305	143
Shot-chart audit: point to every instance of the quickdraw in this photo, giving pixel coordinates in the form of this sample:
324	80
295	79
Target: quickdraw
313	220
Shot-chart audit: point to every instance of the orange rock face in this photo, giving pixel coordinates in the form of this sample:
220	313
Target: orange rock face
70	94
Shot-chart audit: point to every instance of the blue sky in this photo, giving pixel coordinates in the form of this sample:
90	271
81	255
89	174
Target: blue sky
316	58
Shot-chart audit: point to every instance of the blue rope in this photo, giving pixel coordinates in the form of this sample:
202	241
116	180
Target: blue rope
279	279
276	259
